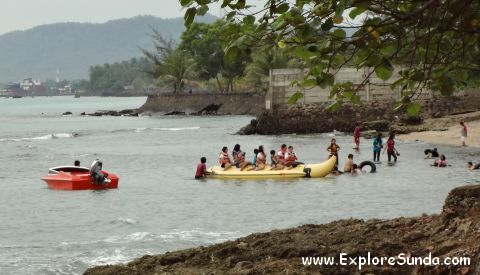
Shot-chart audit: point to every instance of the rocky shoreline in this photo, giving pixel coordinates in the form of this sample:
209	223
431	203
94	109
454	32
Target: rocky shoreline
314	119
453	233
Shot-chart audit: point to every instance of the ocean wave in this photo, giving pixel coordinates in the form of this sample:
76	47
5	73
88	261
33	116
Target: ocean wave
167	129
113	257
124	221
133	237
44	137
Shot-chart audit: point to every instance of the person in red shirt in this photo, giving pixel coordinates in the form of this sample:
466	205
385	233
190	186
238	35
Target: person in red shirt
390	148
201	169
356	136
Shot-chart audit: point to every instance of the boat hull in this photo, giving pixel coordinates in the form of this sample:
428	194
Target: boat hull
78	181
311	170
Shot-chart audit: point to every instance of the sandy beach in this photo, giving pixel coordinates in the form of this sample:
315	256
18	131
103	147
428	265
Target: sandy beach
448	131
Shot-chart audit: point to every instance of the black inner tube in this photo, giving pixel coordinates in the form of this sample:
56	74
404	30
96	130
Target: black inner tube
373	167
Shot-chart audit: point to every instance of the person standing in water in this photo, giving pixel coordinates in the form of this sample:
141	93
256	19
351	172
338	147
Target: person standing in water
333	149
201	169
390	148
377	147
356	136
463	133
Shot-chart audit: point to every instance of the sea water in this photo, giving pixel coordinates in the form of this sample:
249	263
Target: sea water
158	206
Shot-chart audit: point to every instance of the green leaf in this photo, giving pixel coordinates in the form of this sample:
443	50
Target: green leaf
327	25
340	33
356	12
249	20
278	24
334	106
202	10
226	3
387	50
230	15
240	4
231	54
186	3
295	97
413	109
340	8
282	8
189	16
385	70
309	82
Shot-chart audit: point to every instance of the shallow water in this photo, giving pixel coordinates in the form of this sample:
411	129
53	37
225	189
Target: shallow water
158	206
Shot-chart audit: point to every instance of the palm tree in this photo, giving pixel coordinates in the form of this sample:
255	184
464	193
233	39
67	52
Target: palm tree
171	64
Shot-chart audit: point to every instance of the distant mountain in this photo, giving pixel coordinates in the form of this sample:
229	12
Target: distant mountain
72	48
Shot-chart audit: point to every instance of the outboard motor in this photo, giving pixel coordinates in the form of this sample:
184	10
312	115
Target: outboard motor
96	173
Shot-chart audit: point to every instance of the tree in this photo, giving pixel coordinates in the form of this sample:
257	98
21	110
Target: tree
171	64
264	60
434	42
206	43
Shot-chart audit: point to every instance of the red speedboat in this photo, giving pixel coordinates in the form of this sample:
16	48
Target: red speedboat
79	178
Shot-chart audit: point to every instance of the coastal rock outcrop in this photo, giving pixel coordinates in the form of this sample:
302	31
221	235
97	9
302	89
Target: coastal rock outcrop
453	233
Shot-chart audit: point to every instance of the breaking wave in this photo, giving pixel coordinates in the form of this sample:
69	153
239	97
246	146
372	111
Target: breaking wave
44	137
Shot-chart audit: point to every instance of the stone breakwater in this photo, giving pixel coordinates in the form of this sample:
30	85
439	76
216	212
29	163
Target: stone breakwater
305	119
455	232
205	104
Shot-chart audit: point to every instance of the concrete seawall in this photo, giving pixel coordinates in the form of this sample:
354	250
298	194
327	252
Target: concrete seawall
234	104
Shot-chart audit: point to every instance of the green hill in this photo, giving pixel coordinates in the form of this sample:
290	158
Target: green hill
73	47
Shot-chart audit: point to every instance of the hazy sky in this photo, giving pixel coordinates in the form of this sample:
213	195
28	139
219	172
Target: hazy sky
25	14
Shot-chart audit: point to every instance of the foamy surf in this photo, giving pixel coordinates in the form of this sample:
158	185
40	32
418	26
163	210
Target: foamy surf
167	129
44	137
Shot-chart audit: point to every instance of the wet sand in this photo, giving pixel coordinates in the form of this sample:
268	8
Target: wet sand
450	134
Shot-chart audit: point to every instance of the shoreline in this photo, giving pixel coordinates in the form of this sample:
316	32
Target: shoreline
452	233
446	131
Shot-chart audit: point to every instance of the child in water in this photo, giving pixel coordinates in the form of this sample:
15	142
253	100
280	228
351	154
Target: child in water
333	149
201	169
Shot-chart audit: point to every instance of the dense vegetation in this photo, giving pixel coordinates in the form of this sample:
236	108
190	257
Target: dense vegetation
116	76
199	59
434	42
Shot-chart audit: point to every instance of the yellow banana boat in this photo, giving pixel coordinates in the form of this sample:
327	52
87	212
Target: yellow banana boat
318	170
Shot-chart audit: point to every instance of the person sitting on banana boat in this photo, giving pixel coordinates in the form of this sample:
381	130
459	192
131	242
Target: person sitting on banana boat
276	164
281	154
239	158
291	158
261	159
224	159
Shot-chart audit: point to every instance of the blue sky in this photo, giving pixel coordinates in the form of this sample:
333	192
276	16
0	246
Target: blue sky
25	14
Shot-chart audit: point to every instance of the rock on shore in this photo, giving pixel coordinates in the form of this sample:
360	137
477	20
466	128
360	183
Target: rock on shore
453	233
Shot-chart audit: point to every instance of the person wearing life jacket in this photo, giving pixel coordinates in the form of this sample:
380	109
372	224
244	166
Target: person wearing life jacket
261	159
276	165
291	158
224	159
239	158
281	154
